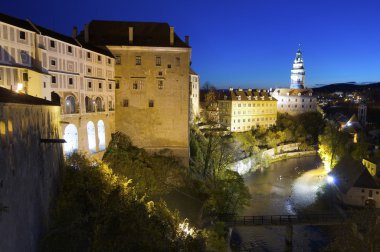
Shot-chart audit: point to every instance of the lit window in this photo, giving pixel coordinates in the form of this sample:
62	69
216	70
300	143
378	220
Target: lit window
160	84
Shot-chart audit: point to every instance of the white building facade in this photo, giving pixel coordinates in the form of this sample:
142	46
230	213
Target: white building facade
194	96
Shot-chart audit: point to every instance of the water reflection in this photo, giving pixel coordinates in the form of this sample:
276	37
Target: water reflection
284	188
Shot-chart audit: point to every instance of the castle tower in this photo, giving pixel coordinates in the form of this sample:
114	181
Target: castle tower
297	77
362	114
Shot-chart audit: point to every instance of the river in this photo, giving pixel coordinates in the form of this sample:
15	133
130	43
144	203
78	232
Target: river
283	188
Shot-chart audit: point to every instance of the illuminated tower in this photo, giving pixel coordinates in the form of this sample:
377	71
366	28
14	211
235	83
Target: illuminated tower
297	77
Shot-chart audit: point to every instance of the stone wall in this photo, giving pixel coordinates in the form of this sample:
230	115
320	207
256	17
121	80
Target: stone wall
29	172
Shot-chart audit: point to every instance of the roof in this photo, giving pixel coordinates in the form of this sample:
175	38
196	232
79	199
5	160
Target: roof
245	95
16	22
192	72
46	32
8	96
350	173
293	92
103	32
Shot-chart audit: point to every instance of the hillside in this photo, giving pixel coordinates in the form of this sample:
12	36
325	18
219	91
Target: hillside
347	87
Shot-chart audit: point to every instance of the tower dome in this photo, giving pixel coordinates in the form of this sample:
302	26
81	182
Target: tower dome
297	76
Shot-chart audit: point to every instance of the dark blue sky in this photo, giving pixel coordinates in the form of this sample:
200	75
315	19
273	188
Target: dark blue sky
244	43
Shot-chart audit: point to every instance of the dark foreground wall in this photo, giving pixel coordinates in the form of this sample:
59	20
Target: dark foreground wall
29	172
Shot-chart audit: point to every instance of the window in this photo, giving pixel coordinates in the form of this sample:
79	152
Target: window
117	59
135	85
101	135
117	84
71	81
151	103
25	76
109	61
169	66
158	61
100	85
91	137
89	84
177	61
52	43
99	104
44	84
125	103
99	58
70	105
160	73
88	55
69	49
53	79
138	60
52	62
22	35
89	105
109	85
160	84
89	70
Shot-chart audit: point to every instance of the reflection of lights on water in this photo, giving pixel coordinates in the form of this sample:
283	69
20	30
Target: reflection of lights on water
305	188
330	179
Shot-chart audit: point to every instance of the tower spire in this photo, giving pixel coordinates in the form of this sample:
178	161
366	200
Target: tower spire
297	76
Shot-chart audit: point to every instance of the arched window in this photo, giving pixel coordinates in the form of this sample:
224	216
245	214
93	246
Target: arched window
101	135
71	137
99	104
91	137
89	104
70	105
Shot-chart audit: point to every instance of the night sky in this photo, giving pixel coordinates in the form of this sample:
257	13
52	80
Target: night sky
243	43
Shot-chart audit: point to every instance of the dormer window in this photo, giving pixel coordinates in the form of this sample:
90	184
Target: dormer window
249	97
225	97
299	94
287	93
239	97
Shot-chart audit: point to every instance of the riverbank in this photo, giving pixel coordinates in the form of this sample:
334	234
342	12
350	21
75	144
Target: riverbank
288	151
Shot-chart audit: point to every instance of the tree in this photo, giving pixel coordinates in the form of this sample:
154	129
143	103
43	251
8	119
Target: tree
332	145
97	210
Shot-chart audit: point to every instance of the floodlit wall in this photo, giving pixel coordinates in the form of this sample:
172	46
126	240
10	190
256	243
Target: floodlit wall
29	172
357	196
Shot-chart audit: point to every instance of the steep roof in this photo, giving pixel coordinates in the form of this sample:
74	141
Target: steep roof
47	32
103	32
8	96
245	95
350	173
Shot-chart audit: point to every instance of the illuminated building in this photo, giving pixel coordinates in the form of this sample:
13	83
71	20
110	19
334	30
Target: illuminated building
194	95
297	99
152	82
49	65
242	110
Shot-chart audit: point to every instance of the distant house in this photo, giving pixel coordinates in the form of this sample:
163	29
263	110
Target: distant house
372	164
355	184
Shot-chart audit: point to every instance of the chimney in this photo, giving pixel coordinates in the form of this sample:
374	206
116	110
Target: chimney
130	35
86	35
74	33
171	35
187	40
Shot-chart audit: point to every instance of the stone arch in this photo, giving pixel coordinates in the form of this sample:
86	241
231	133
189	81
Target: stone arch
71	137
70	107
89	105
101	135
91	137
99	104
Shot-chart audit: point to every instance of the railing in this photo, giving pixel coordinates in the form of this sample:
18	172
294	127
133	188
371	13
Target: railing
283	219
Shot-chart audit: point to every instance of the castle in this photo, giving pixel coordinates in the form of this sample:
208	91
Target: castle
297	99
131	77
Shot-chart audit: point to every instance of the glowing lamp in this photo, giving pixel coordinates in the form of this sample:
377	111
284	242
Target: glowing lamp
330	179
20	87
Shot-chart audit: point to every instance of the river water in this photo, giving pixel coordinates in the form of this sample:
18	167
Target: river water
285	187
